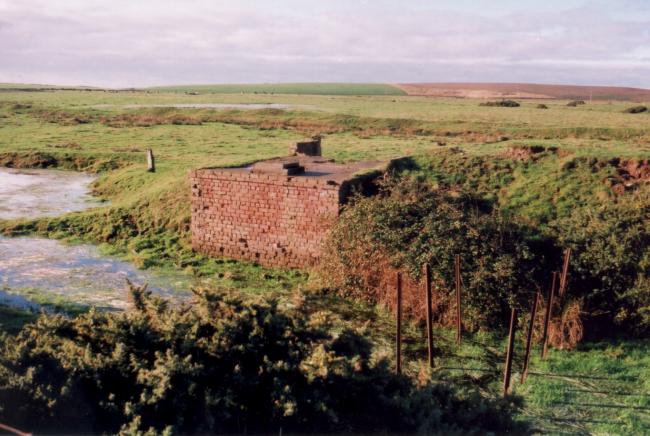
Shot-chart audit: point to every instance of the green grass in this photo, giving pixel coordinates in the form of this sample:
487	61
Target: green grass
157	205
455	142
289	88
599	388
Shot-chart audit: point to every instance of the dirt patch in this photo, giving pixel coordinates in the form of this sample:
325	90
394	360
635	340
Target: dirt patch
629	175
524	91
526	152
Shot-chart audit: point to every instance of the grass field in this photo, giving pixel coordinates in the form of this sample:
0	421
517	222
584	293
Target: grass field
600	388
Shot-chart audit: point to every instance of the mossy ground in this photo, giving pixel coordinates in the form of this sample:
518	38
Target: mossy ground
455	142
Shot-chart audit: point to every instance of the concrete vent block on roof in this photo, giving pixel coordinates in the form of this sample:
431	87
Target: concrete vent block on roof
288	167
306	148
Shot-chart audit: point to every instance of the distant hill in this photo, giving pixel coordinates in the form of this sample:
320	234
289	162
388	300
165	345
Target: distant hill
525	90
288	88
41	87
454	90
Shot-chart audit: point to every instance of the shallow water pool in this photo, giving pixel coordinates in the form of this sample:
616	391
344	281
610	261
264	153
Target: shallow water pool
43	193
46	269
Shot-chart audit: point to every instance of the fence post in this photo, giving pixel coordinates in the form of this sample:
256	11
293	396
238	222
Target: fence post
529	339
398	347
510	353
151	163
565	271
459	320
427	278
547	316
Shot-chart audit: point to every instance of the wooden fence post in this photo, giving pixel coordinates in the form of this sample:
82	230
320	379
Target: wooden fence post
510	353
459	319
529	339
547	316
427	278
151	163
398	346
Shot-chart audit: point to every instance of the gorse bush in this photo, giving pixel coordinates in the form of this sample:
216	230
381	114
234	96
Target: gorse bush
222	366
635	110
411	224
500	103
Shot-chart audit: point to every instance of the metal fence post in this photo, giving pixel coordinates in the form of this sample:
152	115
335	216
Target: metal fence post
529	339
459	320
398	346
428	293
510	353
547	316
565	271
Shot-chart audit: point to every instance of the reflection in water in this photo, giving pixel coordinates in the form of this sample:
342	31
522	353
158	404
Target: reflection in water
39	193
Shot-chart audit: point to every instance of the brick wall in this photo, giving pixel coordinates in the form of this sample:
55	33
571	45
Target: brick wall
270	219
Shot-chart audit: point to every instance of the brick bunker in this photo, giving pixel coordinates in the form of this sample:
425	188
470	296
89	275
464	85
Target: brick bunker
275	212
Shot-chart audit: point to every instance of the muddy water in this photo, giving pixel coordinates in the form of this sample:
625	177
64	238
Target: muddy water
49	270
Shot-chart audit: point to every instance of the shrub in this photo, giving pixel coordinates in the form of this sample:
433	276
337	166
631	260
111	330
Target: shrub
222	366
611	262
411	224
635	110
542	106
501	103
572	206
575	103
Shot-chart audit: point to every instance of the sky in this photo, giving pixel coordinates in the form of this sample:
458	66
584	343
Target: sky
134	43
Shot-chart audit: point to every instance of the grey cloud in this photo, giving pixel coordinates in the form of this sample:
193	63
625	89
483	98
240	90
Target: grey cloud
214	42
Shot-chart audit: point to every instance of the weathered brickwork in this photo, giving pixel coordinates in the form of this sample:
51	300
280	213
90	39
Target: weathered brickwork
275	220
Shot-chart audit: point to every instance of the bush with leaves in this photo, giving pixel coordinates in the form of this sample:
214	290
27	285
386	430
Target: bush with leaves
410	224
224	365
610	267
636	109
500	103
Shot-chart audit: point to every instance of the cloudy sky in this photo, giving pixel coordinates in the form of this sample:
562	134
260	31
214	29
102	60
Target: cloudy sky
155	42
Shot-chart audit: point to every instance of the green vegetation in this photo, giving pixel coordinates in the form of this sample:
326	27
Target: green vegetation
601	388
410	224
636	110
501	103
569	175
154	370
289	88
593	205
